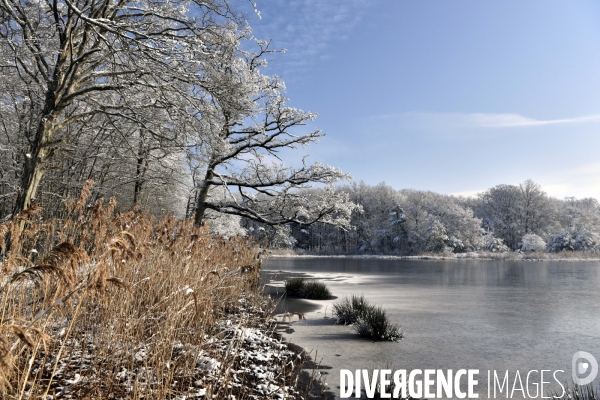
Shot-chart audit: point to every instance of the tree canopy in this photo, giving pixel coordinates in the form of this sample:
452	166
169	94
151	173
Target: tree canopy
162	103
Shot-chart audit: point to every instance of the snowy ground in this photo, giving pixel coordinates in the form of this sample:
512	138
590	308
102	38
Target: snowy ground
245	358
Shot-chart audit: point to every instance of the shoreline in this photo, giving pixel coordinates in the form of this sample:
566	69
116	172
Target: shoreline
456	257
320	371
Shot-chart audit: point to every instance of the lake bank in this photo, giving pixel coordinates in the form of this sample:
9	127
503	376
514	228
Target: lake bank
481	256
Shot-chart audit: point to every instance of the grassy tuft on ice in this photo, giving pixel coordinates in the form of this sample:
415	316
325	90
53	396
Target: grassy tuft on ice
368	320
314	290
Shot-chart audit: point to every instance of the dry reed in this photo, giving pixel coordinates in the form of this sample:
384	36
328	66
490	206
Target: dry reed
103	304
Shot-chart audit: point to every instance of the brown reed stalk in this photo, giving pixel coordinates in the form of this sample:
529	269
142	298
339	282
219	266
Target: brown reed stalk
110	295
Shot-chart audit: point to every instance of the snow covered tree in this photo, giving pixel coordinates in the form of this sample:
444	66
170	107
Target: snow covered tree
532	242
511	211
578	239
427	213
498	207
560	242
72	65
577	225
244	126
585	240
436	239
494	244
117	91
575	214
536	210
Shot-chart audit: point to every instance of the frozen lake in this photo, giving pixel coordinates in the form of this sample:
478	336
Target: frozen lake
487	315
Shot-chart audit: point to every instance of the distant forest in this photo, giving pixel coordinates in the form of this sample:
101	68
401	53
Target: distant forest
408	222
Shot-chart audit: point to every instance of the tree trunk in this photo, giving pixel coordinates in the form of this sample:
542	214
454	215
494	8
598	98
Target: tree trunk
140	171
34	166
202	196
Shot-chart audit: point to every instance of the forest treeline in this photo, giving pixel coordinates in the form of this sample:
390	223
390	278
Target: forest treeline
408	222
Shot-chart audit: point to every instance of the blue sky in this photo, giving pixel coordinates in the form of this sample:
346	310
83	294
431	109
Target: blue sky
450	96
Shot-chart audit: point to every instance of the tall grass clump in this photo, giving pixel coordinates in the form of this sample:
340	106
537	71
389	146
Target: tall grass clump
294	287
374	324
368	320
314	290
348	310
105	304
577	392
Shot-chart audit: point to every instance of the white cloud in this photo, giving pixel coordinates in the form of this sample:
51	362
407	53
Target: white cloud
482	120
515	120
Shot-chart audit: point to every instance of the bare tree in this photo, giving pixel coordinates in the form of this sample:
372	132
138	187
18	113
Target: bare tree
70	64
511	212
248	124
536	208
